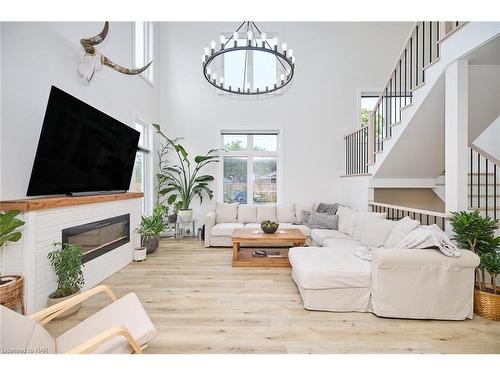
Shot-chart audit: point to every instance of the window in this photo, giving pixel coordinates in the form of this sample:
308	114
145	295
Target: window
262	68
141	176
368	102
250	167
143	48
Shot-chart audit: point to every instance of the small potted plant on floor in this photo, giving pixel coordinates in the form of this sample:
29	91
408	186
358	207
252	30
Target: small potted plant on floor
151	227
67	263
477	233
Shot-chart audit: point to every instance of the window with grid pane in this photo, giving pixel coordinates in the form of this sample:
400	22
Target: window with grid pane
250	167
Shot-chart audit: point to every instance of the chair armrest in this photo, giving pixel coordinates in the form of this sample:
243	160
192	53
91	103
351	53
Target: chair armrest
91	344
209	222
46	315
416	258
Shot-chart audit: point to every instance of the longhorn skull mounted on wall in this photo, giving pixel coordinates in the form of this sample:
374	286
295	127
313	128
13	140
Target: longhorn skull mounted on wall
93	60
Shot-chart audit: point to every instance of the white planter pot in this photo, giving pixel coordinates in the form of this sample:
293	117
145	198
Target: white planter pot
52	301
185	216
140	254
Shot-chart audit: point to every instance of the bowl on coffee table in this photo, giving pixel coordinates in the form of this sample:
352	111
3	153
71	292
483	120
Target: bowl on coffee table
269	226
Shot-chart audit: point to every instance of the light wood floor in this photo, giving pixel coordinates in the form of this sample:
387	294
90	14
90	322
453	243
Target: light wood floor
200	304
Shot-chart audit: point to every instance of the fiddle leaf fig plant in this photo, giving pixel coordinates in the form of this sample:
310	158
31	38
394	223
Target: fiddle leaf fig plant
182	181
9	223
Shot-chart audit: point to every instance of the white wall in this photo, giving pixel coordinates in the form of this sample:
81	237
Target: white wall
484	98
37	55
488	143
334	61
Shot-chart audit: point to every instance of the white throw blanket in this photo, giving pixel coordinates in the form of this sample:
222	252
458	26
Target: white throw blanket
364	252
428	236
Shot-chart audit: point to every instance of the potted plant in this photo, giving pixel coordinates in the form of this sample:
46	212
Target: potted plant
11	286
181	182
140	253
67	263
151	227
477	233
9	223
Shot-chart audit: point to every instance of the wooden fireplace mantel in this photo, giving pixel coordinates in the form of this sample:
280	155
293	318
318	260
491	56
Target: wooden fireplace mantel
33	204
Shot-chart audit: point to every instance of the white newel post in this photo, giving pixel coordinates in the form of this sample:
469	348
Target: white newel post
456	135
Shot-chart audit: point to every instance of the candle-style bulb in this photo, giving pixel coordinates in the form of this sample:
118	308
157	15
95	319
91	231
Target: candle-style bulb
222	39
207	51
283	46
209	71
275	42
263	37
214	76
282	77
212	44
249	35
290	52
203	58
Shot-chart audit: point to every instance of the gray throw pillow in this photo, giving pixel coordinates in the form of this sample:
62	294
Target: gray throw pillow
328	208
319	220
304	217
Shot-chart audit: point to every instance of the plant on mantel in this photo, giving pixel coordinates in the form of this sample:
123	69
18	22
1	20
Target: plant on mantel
477	233
9	223
182	181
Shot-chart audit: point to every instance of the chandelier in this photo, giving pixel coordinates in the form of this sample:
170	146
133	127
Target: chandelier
238	58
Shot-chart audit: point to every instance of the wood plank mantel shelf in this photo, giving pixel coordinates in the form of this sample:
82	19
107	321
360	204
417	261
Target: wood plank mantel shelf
33	204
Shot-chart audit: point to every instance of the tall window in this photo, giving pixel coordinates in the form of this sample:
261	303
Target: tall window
143	48
141	177
250	167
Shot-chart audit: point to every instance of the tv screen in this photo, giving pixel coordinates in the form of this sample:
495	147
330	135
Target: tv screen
81	149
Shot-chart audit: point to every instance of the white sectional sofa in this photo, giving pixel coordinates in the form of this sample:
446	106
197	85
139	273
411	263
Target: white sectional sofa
219	224
331	275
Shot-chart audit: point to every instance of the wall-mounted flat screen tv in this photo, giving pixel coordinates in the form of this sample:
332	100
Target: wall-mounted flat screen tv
81	150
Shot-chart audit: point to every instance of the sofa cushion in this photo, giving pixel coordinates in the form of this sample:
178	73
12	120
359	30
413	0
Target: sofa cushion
401	229
319	220
329	268
286	213
327	208
347	220
225	229
299	207
320	235
375	232
306	231
342	243
362	218
304	217
266	212
226	212
247	213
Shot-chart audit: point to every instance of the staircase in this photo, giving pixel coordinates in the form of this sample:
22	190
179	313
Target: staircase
404	139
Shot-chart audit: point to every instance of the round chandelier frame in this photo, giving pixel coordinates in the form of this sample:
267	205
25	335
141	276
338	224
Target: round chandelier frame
284	57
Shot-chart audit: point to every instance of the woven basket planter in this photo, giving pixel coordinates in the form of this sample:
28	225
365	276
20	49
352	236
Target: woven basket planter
487	304
12	292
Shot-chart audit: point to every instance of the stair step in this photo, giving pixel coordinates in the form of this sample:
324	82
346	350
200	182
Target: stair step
418	86
406	106
396	123
432	63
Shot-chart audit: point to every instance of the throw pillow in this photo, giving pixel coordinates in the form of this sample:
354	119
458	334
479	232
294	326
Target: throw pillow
401	229
266	213
318	220
304	217
327	208
347	220
299	207
286	213
226	212
376	232
247	213
363	217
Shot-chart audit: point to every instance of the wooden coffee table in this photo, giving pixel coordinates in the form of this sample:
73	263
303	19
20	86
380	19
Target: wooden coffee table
254	236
